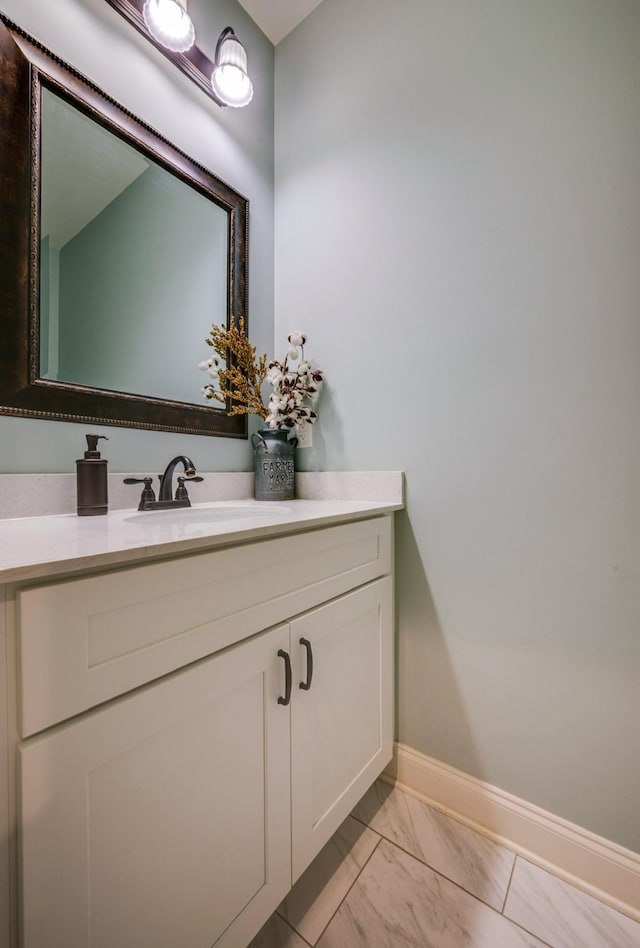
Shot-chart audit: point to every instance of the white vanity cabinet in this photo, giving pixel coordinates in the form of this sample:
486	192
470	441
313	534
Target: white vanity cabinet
172	805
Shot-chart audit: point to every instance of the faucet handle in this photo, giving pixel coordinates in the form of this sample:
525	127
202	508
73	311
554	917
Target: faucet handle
181	491
147	495
138	480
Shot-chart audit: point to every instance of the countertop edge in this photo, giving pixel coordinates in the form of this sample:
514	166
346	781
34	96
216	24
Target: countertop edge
52	567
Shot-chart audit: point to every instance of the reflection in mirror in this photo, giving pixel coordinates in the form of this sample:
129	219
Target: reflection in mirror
129	255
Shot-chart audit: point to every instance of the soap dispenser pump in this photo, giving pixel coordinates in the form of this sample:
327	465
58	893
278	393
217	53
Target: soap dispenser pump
92	480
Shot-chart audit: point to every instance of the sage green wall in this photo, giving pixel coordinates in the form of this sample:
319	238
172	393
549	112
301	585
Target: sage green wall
237	144
457	229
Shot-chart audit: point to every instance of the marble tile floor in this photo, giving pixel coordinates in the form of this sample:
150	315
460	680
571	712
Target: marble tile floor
400	874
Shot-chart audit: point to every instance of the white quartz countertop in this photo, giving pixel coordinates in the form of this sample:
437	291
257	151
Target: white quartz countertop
36	547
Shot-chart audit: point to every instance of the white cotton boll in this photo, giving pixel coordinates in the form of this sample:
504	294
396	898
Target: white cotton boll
274	376
297	338
205	364
292	353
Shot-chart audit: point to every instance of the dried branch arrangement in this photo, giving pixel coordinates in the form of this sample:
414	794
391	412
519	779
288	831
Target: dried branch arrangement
241	378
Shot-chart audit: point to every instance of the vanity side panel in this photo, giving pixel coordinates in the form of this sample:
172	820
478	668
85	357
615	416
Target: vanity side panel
88	640
8	744
4	780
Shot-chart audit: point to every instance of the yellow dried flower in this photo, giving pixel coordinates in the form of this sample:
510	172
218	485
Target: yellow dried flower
241	381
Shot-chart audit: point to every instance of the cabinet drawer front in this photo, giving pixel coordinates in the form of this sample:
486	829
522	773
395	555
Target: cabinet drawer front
85	641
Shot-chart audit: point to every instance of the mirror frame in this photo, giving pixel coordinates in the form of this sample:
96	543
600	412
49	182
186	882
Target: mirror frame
25	67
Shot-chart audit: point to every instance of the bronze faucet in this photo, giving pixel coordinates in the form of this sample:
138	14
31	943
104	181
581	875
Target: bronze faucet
166	499
166	479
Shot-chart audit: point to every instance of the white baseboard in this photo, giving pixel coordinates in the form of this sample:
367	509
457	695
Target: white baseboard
601	868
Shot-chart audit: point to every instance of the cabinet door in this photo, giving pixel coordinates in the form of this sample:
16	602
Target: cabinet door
162	820
342	726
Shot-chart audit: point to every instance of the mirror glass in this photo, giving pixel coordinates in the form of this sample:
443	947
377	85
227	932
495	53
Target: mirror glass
130	258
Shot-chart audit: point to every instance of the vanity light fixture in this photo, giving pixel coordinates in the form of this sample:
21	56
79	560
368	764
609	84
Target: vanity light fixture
170	28
230	80
170	24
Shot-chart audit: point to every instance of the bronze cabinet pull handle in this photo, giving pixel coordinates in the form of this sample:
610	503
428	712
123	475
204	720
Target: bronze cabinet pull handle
305	685
287	677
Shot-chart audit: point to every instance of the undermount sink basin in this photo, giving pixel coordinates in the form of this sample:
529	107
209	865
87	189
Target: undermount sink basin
229	512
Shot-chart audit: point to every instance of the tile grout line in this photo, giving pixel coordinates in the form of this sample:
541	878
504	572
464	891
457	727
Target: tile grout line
433	869
466	891
506	894
347	893
504	905
362	822
527	932
289	925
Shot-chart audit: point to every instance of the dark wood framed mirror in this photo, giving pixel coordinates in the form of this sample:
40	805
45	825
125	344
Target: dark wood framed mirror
118	253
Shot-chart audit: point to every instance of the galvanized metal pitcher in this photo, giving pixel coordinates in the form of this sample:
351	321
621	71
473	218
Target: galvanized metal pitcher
274	464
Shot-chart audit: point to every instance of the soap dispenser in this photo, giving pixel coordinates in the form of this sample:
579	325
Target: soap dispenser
92	480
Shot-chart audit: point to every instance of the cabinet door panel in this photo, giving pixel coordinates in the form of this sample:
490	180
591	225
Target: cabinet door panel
147	823
342	727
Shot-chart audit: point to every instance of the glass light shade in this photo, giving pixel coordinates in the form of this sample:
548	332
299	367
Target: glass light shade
169	24
230	80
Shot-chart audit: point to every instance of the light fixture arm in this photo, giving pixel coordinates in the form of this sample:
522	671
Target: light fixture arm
227	31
